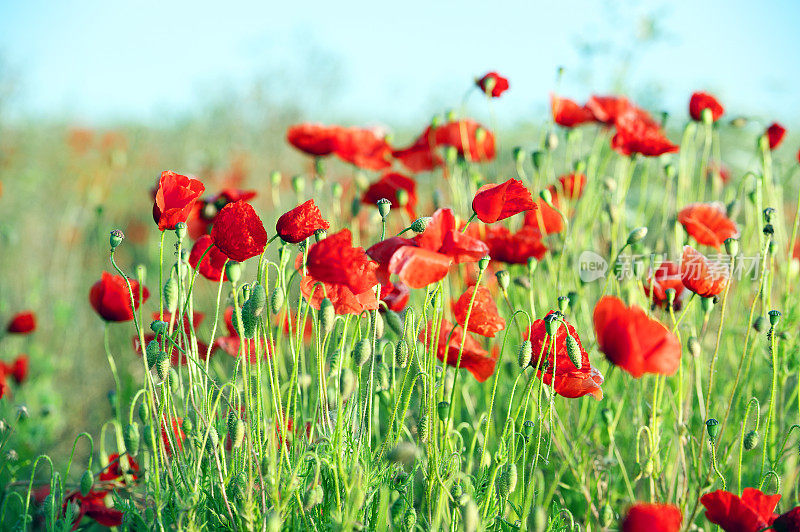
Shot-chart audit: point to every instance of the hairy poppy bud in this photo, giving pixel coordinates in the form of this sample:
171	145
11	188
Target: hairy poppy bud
298	184
233	270
693	345
574	351
258	299
563	303
527	428
313	497
151	353
547	197
507	480
552	324
732	246
712	426
144	413
636	235
410	519
751	440
237	435
162	366
249	320
231	421
171	294
402	197
503	279
532	263
760	324
525	354
327	316
87	479
384	206
180	231
606	516
420	224
131	438
395	321
276	300
423	429
537	158
483	263
376	322
774	317
442	410
159	327
347	383
116	238
401	352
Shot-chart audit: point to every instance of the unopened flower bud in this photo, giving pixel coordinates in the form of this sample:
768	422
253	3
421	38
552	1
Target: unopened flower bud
519	154
275	178
87	479
525	354
362	351
276	300
151	351
636	235
233	270
574	351
131	438
401	352
532	263
162	366
551	141
707	116
608	415
547	197
402	197
503	279
171	294
237	435
707	303
404	453
116	238
693	345
537	158
213	439
423	429
327	316
507	480
347	383
298	184
759	324
751	440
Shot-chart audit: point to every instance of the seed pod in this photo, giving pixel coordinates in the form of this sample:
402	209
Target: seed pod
563	303
751	440
527	428
249	320
171	294
574	351
712	426
276	300
774	317
608	415
423	429
258	298
442	409
552	324
162	366
420	224
159	327
116	238
237	435
87	479
525	354
151	353
384	206
327	316
401	353
131	437
503	279
362	351
636	235
347	383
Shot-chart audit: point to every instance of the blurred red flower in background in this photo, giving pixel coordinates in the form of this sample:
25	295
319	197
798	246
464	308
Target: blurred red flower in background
389	186
701	101
708	224
111	300
493	84
775	133
314	139
363	148
667	275
567	113
212	266
474	358
498	201
22	323
638	133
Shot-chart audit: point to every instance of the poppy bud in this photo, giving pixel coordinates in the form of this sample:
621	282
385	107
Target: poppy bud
760	324
144	413
171	294
580	166
693	345
141	273
518	154
298	184
151	353
116	238
507	480
552	323
162	365
442	410
423	429
450	154
355	207
172	380
276	300
395	321
712	426
233	270
532	263
231	422
384	206
574	351
739	121
503	279
751	440
362	351
670	170
410	519
769	212
258	299
732	246
551	141
547	197
606	516
237	436
180	231
525	354
608	415
275	178
347	383
420	224
249	320
763	143
483	263
527	428
148	437
402	197
563	303
636	235
327	316
537	158
401	353
131	438
376	322
213	439
313	497
87	479
319	166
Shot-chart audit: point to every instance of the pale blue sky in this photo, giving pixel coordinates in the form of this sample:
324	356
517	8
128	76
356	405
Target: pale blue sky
98	61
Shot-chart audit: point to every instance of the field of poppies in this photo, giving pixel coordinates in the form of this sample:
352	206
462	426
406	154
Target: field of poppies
593	326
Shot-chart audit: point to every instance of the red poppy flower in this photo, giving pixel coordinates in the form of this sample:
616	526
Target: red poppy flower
495	201
638	133
775	134
346	273
111	300
238	232
545	218
606	109
572	185
175	198
701	101
474	358
177	433
94	507
718	169
114	469
472	141
484	318
3	383
19	368
788	522
708	224
749	513
421	155
388	186
204	212
213	265
701	276
567	113
570	381
395	295
363	148
667	275
308	327
426	258
515	248
634	342
498	84
300	223
22	323
652	518
314	139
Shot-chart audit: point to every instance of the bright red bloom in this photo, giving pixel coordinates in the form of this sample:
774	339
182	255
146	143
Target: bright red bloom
708	224
472	141
701	101
498	201
238	232
638	133
22	323
484	318
606	109
346	273
701	276
498	83
545	218
395	295
19	368
314	139
570	381
515	248
111	300
388	187
94	507
300	223
363	148
652	518
204	211
177	434
175	198
634	342
567	113
749	513
775	133
213	265
788	522
421	155
474	358
667	275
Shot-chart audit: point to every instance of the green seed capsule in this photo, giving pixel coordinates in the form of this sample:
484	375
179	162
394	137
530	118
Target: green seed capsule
87	480
527	428
442	409
712	426
131	437
362	351
276	300
751	440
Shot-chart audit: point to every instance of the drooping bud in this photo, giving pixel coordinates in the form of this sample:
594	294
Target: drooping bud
258	299
636	235
249	319
162	366
376	320
442	409
298	184
131	438
525	354
144	413
751	440
151	353
759	324
362	351
519	154
327	316
537	158
233	270
551	141
507	480
410	519
237	436
275	178
347	383
116	238
87	480
574	351
423	429
693	345
171	294
547	197
213	439
503	279
401	352
394	321
276	300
